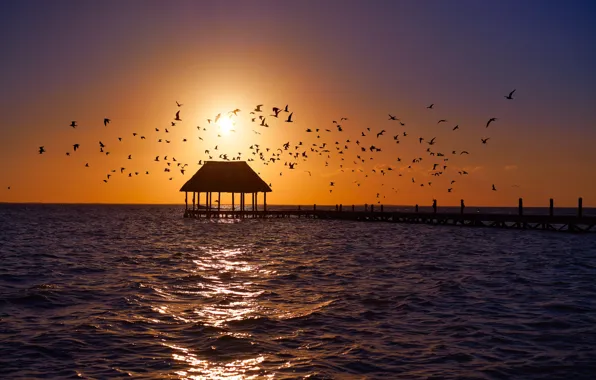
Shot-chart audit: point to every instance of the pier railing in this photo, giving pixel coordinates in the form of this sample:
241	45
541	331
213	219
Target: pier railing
549	222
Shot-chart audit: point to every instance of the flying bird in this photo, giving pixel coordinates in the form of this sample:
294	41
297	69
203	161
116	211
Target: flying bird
490	121
73	124
510	96
178	116
290	118
179	104
431	106
41	150
106	121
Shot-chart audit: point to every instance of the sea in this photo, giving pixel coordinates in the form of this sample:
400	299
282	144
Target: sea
137	291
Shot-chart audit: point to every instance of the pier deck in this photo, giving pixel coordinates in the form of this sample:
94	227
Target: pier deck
565	223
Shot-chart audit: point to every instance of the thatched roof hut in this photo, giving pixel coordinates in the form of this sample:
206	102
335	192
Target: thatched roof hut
226	177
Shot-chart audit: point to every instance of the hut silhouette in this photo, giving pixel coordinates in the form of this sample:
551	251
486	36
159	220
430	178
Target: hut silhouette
225	177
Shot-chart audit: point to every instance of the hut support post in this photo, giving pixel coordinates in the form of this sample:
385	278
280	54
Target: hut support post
256	201
193	200
232	203
520	207
198	200
186	199
218	201
265	201
580	207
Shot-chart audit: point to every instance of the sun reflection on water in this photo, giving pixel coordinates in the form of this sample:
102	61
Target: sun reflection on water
223	291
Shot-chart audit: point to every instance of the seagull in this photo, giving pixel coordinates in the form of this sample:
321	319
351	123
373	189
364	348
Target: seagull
391	117
106	121
490	121
494	188
456	127
510	96
485	140
179	104
178	116
464	152
75	147
290	118
442	121
258	108
41	150
431	106
73	124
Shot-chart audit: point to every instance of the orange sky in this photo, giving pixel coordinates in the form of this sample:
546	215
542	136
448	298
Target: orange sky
530	154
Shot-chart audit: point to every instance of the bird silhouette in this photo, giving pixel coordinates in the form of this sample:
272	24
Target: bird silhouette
75	147
485	140
73	124
290	118
431	106
510	96
490	121
179	104
106	121
178	116
41	150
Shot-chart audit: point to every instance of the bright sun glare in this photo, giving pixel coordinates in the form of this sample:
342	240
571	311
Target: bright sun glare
225	124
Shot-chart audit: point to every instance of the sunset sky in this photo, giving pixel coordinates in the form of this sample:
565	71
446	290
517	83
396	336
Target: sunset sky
130	61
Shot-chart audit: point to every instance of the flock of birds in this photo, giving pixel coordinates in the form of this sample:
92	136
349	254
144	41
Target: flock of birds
332	144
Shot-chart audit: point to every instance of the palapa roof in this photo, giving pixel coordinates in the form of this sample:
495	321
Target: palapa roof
226	177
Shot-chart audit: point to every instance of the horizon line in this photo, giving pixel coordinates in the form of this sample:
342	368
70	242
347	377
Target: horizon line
275	204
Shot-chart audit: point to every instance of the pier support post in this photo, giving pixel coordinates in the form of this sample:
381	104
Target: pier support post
580	207
265	202
193	200
462	206
186	200
314	207
551	209
372	208
353	208
233	203
520	207
341	207
218	201
381	208
416	208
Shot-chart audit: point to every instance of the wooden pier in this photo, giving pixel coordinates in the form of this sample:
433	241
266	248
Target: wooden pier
549	222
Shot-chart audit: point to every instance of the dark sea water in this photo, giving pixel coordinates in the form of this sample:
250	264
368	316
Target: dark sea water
100	292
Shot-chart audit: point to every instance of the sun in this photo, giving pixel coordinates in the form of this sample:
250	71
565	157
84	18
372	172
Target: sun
225	124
